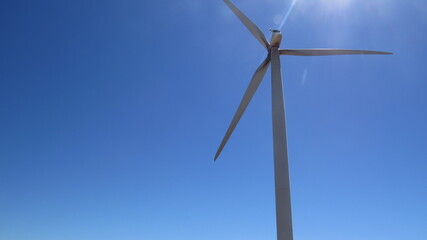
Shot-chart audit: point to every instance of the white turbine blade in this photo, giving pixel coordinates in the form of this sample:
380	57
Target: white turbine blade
326	52
249	25
250	91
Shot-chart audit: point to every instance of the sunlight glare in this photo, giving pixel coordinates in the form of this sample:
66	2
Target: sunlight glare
286	15
335	5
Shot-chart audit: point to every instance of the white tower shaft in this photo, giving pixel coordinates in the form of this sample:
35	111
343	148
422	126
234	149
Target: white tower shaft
281	170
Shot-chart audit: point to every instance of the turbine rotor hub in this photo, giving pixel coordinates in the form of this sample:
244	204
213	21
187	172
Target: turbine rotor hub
276	38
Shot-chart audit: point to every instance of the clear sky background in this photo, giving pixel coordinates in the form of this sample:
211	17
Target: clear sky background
111	113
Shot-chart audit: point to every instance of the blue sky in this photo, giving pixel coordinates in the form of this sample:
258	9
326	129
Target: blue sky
111	113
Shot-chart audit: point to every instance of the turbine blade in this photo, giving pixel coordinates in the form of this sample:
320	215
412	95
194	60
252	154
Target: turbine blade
249	25
250	91
326	51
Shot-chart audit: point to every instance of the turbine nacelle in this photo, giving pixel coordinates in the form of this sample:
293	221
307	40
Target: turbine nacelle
276	38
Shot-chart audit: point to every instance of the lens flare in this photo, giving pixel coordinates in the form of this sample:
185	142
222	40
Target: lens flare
286	15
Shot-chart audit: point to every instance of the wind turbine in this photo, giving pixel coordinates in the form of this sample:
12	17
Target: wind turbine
281	171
